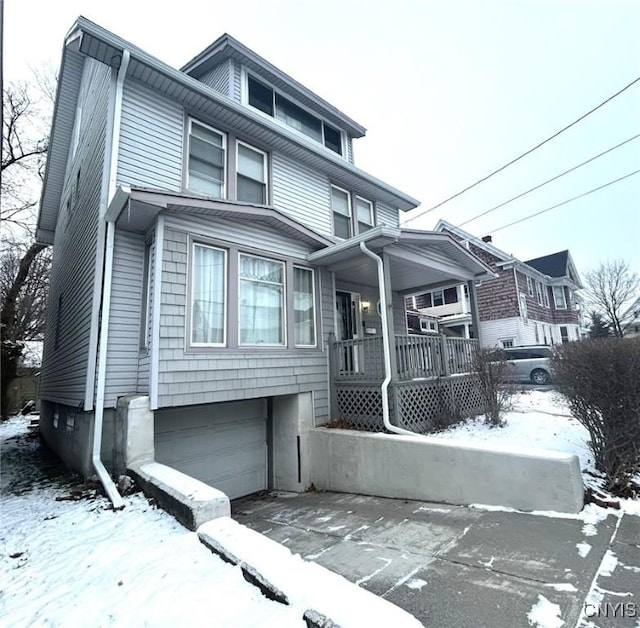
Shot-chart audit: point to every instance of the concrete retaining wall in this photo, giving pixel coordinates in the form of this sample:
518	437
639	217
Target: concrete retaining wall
454	472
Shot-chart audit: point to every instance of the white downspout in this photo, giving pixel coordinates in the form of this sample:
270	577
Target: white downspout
386	343
105	478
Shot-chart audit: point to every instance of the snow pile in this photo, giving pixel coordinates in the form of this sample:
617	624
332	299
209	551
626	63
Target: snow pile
545	614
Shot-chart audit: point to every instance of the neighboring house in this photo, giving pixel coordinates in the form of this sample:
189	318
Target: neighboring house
631	320
219	258
524	303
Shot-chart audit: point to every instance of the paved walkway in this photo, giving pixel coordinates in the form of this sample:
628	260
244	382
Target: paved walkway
462	567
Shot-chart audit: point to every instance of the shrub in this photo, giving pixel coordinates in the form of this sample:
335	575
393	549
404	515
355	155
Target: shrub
491	367
601	380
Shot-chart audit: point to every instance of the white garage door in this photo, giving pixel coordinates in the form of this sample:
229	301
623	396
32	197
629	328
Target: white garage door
223	445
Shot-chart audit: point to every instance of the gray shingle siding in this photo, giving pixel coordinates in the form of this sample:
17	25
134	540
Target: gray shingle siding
189	377
64	372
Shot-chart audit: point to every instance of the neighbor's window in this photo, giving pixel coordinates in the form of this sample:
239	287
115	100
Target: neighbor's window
208	295
364	212
558	297
438	297
530	286
207	155
261	301
507	343
450	295
252	175
304	307
539	293
564	334
341	206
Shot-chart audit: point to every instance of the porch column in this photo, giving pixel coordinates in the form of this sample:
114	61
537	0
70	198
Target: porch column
475	314
390	322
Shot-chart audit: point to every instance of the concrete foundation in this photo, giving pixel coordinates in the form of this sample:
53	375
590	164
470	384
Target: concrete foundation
424	468
134	440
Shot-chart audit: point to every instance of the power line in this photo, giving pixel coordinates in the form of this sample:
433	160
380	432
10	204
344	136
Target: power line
515	222
537	187
513	161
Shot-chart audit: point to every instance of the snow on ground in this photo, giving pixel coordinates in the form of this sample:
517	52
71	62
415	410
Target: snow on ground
79	563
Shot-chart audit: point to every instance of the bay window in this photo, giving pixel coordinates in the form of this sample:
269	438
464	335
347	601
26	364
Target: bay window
261	301
251	182
304	307
207	157
208	295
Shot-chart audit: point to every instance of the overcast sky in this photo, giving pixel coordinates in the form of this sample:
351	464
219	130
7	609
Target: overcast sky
449	91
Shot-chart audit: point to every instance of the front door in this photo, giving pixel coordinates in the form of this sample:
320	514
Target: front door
347	328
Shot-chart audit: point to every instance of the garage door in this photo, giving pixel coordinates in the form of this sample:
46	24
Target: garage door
223	445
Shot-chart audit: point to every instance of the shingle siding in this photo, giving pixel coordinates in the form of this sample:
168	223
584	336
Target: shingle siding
219	78
65	362
196	376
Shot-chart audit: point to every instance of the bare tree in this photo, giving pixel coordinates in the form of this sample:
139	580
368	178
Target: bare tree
24	276
612	288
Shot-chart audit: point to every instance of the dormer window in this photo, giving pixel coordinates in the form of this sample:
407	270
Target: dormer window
269	101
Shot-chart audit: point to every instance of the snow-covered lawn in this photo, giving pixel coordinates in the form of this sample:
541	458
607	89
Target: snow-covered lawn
538	419
67	562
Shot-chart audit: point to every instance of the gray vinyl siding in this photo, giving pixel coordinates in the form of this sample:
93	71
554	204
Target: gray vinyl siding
151	140
219	78
207	376
64	372
301	193
350	149
236	81
124	317
386	215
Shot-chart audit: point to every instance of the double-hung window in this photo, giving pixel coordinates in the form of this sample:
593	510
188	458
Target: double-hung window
539	293
530	286
304	307
559	298
261	301
364	213
208	296
341	206
251	182
207	157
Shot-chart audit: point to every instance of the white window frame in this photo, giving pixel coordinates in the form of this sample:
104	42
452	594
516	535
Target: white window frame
265	169
371	213
433	297
539	293
313	294
530	286
523	308
349	208
223	185
506	343
225	291
244	98
284	302
555	300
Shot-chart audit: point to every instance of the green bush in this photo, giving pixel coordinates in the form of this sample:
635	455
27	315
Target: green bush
601	380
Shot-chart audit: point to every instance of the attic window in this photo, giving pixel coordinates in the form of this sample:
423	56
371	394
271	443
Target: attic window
269	101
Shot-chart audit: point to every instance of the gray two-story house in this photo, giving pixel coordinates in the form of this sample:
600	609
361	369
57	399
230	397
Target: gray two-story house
221	261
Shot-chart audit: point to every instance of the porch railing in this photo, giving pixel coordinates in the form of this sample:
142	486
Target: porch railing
416	357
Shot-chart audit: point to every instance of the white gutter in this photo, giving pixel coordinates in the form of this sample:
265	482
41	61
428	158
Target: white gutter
98	465
386	343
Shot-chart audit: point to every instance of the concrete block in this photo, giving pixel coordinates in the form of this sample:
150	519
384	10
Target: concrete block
454	472
190	501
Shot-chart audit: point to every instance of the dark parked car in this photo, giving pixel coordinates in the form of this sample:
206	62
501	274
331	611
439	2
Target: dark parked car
529	363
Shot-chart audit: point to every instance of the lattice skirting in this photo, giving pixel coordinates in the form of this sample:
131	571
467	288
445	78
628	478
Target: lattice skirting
419	406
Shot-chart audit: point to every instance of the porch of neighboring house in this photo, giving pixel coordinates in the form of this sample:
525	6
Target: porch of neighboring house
428	377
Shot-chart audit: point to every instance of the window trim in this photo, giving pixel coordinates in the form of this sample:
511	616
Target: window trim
225	293
146	297
265	169
371	212
333	212
564	298
530	286
284	321
225	148
245	73
313	294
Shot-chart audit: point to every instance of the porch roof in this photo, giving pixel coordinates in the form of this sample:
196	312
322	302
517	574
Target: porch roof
417	259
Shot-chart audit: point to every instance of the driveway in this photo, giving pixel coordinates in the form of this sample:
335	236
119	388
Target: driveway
453	566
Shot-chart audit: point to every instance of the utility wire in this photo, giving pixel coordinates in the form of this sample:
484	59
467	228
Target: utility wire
515	222
537	187
513	161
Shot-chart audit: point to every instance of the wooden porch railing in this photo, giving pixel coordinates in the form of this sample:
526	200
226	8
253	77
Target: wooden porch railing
362	359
